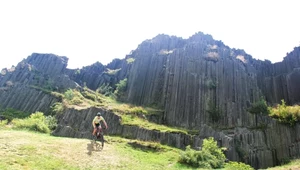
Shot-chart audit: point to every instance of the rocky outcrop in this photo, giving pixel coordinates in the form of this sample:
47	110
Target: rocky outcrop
69	126
196	81
281	80
26	98
27	86
95	75
261	147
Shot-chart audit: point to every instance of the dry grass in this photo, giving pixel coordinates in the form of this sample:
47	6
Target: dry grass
26	150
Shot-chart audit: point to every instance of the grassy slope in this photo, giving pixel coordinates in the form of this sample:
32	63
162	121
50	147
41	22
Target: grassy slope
28	150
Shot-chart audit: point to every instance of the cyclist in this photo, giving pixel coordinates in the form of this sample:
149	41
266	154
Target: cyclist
96	123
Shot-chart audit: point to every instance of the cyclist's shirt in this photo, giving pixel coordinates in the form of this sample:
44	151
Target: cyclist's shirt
97	121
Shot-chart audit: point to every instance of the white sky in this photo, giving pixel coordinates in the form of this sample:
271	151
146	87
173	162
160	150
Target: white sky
87	31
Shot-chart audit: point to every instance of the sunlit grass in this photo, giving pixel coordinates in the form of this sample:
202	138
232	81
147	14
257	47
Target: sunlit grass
42	152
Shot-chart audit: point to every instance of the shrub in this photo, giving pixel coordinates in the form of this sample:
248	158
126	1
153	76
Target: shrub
3	123
105	89
260	107
112	72
76	101
286	114
69	94
51	122
121	88
36	122
130	60
215	113
57	108
211	156
10	114
237	166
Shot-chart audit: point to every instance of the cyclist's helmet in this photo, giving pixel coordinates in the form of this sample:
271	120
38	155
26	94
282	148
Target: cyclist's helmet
98	114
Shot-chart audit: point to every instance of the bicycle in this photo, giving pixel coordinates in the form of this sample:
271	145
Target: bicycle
100	136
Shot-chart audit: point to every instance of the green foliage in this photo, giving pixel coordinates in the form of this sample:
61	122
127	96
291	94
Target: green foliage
11	114
215	113
112	72
73	97
286	114
137	110
121	88
105	89
130	60
57	108
237	166
76	100
36	122
51	122
88	94
211	156
3	123
260	107
69	94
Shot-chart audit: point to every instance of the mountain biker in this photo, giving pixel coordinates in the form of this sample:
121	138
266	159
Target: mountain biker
96	123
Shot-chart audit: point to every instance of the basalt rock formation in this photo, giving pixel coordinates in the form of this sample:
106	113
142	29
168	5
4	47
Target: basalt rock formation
27	86
200	84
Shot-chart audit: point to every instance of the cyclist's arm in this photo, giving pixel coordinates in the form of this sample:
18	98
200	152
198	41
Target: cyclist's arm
104	123
93	123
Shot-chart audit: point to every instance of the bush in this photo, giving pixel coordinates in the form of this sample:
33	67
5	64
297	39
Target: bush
36	122
286	114
211	156
121	88
237	166
10	114
105	89
259	107
51	122
3	123
76	101
57	108
69	94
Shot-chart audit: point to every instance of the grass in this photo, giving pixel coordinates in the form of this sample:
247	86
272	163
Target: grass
28	150
293	165
136	121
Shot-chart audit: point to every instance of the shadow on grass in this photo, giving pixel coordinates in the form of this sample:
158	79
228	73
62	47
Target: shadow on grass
93	146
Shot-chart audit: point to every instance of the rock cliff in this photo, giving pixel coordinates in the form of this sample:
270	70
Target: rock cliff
200	84
27	86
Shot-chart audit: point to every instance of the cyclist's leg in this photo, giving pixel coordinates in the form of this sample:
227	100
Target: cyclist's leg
94	131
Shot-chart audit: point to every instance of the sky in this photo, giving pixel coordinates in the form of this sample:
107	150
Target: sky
87	31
